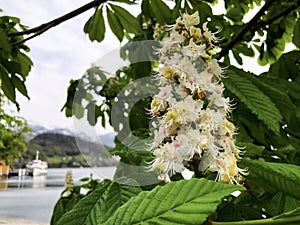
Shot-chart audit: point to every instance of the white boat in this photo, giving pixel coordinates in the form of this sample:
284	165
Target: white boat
36	167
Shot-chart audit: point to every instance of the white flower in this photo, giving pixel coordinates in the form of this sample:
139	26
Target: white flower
214	68
159	136
169	73
182	112
228	172
194	51
160	102
166	92
191	20
190	107
158	31
205	82
176	38
211	37
157	105
169	159
193	140
196	33
205	119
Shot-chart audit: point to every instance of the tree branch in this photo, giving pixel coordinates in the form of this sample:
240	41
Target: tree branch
46	26
286	11
245	29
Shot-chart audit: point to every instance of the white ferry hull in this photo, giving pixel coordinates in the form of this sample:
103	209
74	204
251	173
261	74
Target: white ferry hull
36	172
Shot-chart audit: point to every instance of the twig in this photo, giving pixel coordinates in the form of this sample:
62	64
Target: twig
245	29
32	36
263	23
46	26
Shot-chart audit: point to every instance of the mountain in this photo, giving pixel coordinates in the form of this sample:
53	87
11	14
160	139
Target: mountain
106	139
61	150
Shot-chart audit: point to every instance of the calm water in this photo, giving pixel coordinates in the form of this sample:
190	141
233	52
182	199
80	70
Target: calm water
33	198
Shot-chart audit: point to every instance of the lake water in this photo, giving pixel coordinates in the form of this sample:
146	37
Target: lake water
33	198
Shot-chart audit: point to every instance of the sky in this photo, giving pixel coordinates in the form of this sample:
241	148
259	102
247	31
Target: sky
59	55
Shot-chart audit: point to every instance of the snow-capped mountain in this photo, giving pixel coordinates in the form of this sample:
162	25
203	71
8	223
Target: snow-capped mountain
107	139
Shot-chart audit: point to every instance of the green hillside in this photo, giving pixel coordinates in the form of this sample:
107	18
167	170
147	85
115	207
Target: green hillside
62	151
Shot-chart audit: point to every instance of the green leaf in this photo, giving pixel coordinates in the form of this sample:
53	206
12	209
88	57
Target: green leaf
251	150
146	9
91	114
281	203
260	104
279	176
115	25
12	67
78	110
245	50
88	24
25	63
128	21
176	10
180	202
237	56
5	45
63	205
279	97
294	212
7	85
287	67
161	11
203	8
95	26
250	127
100	204
296	34
289	218
235	14
19	84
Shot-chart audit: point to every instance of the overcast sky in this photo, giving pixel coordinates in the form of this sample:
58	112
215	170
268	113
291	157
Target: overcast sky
60	54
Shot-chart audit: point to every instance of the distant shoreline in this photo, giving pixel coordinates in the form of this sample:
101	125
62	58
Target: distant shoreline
16	221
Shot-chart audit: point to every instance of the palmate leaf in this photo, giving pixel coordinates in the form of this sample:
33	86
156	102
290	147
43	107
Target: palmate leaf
280	203
296	36
63	205
180	202
279	176
287	67
294	212
95	26
259	103
115	25
25	64
128	21
19	84
5	45
161	11
99	205
7	85
278	96
251	150
288	218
